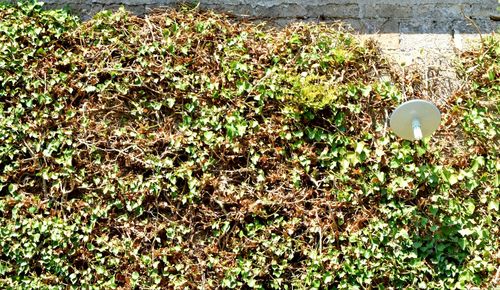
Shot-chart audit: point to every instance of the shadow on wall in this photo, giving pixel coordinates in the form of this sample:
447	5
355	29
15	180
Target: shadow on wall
366	16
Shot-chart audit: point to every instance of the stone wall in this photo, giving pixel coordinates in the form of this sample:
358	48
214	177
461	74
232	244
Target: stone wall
367	16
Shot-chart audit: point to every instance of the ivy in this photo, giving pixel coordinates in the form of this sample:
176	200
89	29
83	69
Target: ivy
185	150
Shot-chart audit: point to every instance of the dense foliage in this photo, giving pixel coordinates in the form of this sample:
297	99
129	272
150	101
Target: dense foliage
185	151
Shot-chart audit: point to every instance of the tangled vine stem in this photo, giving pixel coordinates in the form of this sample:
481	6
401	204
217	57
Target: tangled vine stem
186	150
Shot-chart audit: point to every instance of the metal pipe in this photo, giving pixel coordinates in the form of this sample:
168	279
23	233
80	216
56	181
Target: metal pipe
417	130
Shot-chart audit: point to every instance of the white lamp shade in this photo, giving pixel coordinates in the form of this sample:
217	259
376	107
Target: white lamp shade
415	117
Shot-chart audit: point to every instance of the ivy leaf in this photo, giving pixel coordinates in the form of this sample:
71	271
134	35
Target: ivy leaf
465	232
493	205
453	179
90	89
365	91
12	188
470	207
170	102
491	75
208	135
327	278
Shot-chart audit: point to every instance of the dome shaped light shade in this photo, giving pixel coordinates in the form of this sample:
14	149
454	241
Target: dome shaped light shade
415	119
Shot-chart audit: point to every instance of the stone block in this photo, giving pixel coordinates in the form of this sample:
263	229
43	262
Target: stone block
335	11
466	27
280	11
237	10
300	2
437	11
378	25
417	2
134	9
220	3
424	41
395	11
425	25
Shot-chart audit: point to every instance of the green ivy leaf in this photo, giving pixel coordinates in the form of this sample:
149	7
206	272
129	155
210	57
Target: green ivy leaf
493	205
453	179
465	232
90	89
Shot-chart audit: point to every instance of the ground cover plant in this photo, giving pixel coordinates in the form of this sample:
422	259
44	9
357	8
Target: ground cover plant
183	150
